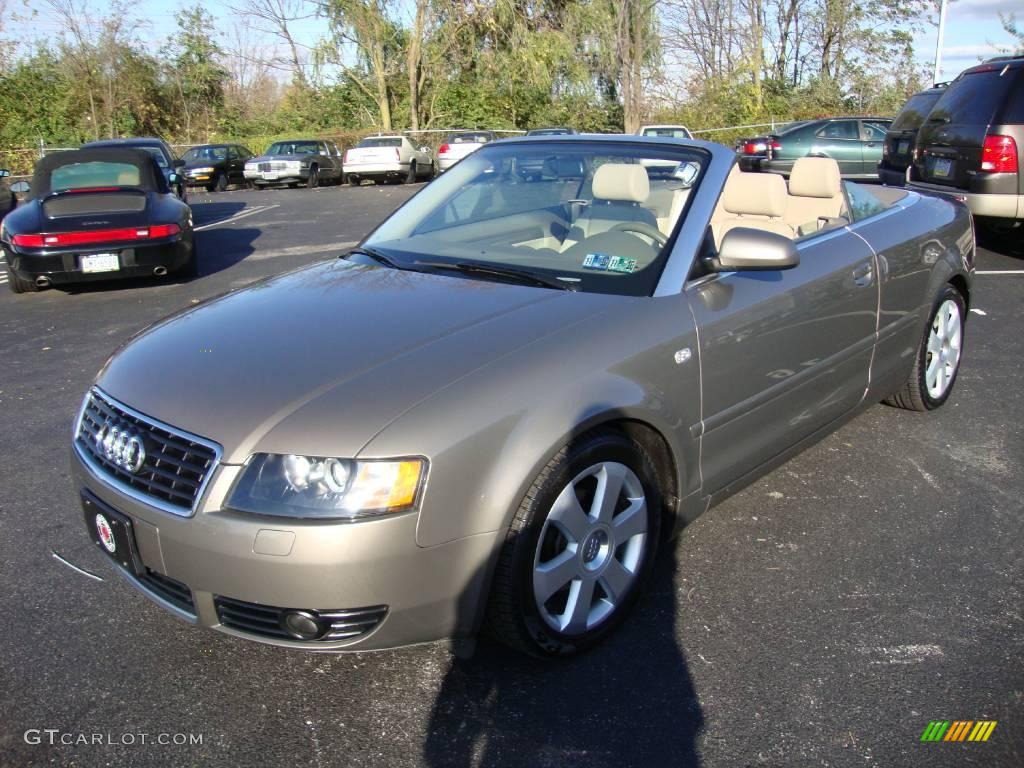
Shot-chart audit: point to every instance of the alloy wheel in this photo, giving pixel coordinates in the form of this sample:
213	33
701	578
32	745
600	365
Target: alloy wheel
943	352
591	548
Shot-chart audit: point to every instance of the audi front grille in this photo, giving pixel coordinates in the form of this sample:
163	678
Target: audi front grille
148	460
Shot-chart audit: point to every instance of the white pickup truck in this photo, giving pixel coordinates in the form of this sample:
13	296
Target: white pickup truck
391	158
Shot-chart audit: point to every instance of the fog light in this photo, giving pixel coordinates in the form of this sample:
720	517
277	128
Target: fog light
302	625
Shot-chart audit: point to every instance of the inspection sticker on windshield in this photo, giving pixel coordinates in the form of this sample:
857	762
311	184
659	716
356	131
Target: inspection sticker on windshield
597	261
622	264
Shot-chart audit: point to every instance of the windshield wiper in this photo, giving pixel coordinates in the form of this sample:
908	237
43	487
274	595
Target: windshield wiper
373	253
509	273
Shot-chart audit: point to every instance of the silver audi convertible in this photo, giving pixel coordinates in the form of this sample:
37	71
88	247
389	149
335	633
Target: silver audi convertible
495	410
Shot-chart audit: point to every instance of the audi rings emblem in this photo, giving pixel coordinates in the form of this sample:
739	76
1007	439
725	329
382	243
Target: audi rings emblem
121	447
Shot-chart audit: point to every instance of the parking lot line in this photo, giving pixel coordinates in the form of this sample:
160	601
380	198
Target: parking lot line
236	217
1000	272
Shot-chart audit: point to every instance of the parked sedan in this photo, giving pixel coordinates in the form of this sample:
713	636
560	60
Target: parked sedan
294	162
459	144
388	158
8	202
215	166
96	214
500	406
170	166
853	142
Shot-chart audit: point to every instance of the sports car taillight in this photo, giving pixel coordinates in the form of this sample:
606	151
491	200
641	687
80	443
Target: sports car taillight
443	150
93	236
999	154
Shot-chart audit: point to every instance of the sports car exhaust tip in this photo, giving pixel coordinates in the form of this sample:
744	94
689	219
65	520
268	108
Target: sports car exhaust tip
160	271
43	282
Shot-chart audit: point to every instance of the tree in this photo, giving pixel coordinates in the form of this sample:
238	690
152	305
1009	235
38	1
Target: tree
195	70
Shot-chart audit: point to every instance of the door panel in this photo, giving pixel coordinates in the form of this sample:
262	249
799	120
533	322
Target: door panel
840	140
873	139
782	353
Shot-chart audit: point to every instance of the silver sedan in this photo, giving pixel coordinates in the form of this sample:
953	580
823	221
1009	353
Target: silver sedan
497	408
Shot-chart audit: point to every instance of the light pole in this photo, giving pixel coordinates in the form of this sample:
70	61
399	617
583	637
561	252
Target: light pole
938	42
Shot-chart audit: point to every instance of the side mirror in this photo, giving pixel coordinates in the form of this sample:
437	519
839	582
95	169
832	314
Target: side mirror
20	187
174	178
745	249
4	172
179	163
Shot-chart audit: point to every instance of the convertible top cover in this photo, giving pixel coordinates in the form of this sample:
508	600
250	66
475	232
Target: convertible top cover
102	167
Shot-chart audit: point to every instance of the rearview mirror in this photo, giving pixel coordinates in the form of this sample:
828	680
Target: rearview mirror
20	187
746	249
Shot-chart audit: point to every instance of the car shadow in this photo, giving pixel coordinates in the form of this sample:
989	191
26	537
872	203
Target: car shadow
219	249
1005	240
206	212
628	702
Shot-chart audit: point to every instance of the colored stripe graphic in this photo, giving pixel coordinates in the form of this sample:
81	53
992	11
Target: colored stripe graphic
982	730
958	731
935	730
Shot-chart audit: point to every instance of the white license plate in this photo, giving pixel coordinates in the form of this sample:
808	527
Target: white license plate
270	176
100	262
942	167
903	147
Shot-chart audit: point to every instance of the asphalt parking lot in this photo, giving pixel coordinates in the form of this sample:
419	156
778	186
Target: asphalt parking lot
821	617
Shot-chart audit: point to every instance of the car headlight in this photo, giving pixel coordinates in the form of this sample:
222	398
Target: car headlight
327	488
205	169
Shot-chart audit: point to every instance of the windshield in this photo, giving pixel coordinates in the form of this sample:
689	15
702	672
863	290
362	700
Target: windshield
468	138
294	148
94	174
381	142
201	154
593	215
915	111
668	132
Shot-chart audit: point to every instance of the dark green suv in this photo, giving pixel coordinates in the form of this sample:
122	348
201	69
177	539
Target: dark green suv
968	148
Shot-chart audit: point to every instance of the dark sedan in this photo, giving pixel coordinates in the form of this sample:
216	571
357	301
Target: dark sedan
215	166
94	214
853	142
161	152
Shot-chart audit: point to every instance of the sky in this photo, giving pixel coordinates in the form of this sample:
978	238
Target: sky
973	30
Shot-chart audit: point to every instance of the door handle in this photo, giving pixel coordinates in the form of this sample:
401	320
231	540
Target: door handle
864	276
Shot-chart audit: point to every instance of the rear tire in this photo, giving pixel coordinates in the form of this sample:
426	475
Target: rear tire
353	180
19	285
190	269
938	356
580	548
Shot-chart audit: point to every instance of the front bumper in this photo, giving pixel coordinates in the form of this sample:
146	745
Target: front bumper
220	557
1002	206
64	267
285	176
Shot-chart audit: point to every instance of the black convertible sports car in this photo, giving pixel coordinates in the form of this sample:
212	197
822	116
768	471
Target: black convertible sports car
94	214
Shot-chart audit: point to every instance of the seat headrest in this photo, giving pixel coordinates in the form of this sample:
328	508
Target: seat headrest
815	177
755	194
622	181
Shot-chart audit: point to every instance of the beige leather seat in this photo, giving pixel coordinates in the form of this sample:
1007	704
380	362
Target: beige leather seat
815	190
618	191
754	200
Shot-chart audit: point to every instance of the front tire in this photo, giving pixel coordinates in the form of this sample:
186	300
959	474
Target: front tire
938	356
314	178
579	549
410	177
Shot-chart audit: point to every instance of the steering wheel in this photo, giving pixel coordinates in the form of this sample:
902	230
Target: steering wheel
639	228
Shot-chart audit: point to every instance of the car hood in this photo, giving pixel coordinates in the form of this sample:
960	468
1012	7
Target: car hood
320	360
268	158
